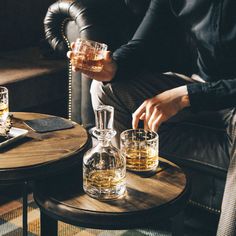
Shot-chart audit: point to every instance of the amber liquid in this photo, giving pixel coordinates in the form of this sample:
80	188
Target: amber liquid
90	62
104	184
3	111
145	159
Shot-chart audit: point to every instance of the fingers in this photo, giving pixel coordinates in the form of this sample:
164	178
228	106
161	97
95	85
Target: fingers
142	117
156	119
151	114
69	54
144	112
137	114
149	111
160	108
157	122
153	117
107	56
72	45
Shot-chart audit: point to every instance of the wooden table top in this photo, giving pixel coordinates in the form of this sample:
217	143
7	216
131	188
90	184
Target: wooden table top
158	196
39	150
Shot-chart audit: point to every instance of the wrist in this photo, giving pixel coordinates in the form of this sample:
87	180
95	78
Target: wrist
185	101
184	98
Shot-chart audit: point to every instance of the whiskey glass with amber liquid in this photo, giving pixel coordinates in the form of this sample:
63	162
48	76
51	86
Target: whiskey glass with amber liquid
4	112
141	149
88	55
104	169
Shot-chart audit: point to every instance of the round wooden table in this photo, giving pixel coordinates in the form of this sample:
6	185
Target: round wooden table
39	155
148	199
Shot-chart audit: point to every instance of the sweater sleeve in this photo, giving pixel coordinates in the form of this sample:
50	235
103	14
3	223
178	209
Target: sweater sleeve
212	95
148	43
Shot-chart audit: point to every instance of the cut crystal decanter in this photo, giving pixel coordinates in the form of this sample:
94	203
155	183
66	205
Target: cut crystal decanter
104	169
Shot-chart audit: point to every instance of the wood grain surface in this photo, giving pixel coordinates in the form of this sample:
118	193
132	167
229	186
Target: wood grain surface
143	193
39	148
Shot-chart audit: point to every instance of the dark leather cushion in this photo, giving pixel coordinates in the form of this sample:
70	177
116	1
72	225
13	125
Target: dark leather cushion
203	145
138	7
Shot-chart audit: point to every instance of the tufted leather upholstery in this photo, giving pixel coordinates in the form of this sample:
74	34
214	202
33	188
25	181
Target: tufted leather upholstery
104	21
204	150
107	21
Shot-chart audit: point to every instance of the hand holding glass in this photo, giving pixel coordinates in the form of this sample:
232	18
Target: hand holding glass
88	55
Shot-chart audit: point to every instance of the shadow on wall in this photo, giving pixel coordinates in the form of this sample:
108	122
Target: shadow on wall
21	22
36	79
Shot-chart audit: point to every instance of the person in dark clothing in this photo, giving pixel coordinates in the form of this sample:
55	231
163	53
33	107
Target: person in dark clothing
159	97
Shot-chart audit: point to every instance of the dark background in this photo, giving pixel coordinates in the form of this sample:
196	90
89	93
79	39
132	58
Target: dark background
23	49
21	22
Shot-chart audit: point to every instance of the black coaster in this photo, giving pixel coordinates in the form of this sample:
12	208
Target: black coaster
49	124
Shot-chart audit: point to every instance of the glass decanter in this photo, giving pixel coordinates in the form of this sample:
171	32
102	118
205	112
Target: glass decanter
104	169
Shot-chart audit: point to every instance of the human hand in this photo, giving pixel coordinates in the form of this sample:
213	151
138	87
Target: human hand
106	74
154	111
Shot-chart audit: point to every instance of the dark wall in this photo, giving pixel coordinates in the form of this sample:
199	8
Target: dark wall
21	22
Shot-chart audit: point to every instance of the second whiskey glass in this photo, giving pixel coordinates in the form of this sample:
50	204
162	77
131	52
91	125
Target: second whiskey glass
140	148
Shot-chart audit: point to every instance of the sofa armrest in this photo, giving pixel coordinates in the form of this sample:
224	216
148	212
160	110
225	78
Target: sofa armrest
107	21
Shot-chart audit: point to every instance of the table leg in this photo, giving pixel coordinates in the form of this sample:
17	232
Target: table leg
178	224
25	206
48	225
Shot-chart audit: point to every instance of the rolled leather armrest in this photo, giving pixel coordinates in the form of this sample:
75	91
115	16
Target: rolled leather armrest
108	21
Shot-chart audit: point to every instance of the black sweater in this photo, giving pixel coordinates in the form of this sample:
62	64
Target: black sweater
212	26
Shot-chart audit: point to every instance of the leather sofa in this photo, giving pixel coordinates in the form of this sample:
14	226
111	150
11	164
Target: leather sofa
203	149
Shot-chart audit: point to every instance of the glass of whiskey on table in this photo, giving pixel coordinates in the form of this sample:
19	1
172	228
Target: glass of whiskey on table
88	55
141	149
4	111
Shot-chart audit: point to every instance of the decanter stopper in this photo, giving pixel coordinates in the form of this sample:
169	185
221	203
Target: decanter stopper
104	117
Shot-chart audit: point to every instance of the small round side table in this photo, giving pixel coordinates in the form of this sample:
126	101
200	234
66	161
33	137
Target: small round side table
148	200
39	155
